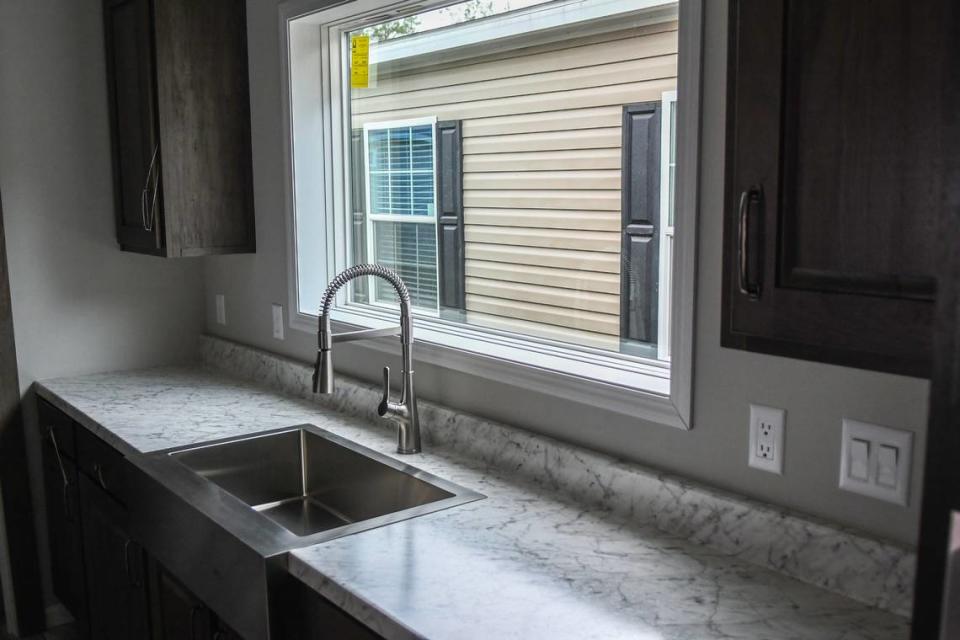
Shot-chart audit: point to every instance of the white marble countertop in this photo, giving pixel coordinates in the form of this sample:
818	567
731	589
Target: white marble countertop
523	563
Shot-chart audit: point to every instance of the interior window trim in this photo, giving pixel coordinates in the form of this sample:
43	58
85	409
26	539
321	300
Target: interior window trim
659	394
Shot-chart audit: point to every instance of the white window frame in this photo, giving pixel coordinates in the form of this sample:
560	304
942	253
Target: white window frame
315	146
668	104
381	217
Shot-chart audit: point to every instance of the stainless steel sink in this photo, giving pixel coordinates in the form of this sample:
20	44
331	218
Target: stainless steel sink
310	481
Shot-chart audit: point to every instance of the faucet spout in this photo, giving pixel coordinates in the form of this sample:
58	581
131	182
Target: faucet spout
404	412
323	370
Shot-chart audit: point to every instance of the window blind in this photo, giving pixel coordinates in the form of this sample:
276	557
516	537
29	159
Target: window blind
410	249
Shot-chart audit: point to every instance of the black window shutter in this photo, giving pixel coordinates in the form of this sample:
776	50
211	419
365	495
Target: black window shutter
450	244
640	217
358	197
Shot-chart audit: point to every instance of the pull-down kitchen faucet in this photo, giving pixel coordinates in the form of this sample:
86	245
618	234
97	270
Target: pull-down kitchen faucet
404	413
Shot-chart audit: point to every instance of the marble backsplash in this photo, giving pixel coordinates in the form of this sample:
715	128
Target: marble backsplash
843	561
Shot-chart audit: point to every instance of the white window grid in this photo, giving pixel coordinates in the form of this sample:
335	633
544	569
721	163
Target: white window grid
372	217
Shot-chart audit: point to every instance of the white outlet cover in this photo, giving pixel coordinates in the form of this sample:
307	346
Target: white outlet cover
776	418
221	308
277	311
879	483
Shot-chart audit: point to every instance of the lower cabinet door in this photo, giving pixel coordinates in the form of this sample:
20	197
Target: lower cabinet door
116	572
63	525
301	613
175	612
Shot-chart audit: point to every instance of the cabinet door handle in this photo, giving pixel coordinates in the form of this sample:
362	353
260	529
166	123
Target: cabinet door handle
194	611
747	198
148	203
67	509
98	469
134	580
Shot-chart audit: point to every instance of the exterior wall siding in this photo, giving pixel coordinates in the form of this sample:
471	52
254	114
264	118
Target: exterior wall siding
542	156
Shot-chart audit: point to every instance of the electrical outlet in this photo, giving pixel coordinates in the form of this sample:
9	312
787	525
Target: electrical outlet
221	308
766	438
277	321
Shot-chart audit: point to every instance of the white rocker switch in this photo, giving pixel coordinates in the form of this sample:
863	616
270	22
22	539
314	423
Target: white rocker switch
887	466
860	460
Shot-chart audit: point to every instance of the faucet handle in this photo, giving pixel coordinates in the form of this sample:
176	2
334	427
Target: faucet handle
385	398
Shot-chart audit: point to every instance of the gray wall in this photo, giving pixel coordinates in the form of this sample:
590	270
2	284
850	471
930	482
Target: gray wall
79	303
815	396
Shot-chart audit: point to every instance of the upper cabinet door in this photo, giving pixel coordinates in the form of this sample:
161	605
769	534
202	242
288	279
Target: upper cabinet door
136	151
833	180
180	120
203	103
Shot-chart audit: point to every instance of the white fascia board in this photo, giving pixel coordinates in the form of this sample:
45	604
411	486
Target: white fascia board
524	22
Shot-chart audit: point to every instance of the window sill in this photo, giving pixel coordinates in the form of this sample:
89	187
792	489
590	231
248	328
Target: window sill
638	389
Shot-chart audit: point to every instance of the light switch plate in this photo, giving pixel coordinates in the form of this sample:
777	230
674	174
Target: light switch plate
888	456
766	438
221	309
277	311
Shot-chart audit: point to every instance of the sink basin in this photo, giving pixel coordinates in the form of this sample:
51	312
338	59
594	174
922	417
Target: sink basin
310	481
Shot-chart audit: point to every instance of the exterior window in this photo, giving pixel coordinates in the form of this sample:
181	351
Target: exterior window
401	211
515	163
524	190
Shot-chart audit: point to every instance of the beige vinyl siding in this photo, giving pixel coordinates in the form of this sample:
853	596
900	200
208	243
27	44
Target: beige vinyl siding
579	199
547	276
542	159
545	219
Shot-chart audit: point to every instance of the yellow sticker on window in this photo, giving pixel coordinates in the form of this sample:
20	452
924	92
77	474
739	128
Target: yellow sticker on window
359	62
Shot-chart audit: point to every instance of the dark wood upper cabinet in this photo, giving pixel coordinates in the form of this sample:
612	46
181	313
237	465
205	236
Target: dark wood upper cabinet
936	601
180	125
833	180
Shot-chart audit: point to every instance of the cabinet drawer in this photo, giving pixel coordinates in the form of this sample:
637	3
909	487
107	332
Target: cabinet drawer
100	462
54	421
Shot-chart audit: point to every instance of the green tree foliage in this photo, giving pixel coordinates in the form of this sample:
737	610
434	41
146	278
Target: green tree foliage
393	29
479	9
463	12
473	10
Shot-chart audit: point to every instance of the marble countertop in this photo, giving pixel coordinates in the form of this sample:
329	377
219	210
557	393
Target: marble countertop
522	563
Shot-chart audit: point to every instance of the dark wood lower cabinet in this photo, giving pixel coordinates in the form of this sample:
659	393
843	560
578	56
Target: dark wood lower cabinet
110	584
179	614
304	614
116	578
63	524
100	574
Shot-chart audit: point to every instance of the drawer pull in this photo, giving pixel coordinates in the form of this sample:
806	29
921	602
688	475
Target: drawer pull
134	580
98	470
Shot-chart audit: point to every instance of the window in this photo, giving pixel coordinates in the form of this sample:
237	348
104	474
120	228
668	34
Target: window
517	168
401	207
